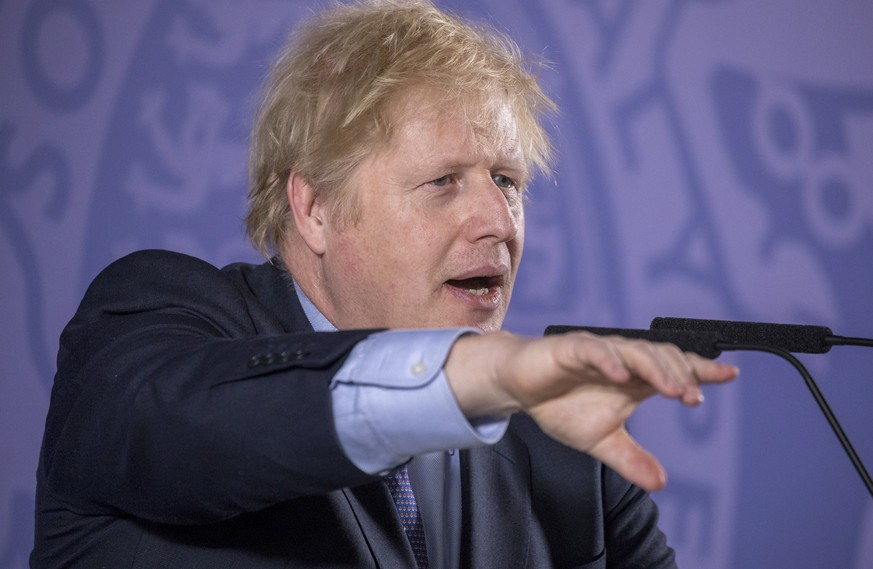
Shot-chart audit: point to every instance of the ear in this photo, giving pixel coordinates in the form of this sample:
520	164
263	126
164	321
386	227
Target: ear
308	213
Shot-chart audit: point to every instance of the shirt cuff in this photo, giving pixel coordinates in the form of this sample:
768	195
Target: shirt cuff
392	401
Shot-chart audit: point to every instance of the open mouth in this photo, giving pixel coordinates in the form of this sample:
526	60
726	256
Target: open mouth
479	286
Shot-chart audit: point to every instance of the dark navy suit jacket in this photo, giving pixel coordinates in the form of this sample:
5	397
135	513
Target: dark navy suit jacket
190	426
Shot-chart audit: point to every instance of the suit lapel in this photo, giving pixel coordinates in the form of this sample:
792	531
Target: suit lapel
380	524
498	527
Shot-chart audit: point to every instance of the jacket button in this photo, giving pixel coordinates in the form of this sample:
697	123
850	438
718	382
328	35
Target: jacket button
255	361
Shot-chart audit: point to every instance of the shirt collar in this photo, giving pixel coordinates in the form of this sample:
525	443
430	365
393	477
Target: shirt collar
316	318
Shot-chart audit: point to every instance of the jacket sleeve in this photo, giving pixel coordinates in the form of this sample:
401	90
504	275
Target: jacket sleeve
173	403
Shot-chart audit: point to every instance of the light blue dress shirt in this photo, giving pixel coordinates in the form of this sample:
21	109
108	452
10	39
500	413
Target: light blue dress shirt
392	402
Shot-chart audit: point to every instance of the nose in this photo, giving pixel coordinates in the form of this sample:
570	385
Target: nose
492	213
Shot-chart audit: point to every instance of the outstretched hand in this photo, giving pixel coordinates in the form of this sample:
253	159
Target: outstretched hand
580	388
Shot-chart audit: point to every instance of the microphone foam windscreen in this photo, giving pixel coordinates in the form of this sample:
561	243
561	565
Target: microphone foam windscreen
797	338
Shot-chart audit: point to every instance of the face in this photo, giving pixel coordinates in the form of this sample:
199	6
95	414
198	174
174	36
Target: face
440	228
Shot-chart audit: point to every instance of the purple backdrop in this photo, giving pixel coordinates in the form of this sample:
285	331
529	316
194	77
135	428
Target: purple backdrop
715	161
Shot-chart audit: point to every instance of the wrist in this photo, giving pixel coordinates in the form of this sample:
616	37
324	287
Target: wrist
473	373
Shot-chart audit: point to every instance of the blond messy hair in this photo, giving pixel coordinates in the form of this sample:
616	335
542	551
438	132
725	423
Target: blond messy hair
326	102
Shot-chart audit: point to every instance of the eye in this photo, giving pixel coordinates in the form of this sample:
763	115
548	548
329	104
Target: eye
504	182
442	181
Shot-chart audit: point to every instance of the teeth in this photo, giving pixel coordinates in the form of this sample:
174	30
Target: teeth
479	286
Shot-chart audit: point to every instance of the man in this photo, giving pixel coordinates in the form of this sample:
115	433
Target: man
248	416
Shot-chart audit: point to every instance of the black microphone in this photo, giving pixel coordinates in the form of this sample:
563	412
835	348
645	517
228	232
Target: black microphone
703	343
780	340
797	338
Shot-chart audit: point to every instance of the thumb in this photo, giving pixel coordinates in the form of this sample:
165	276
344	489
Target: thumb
623	454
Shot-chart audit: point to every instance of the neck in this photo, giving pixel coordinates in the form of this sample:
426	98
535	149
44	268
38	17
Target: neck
306	270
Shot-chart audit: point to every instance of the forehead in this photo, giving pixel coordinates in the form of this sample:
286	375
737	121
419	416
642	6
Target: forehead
479	127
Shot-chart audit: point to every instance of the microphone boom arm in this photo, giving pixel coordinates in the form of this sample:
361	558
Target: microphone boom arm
819	399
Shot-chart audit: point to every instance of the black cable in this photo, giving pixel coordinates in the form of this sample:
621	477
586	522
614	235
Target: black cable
846	341
817	395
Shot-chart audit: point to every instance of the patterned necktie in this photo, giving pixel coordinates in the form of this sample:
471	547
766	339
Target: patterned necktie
404	500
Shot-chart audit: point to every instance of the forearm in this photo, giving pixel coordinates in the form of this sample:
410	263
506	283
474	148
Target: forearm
181	428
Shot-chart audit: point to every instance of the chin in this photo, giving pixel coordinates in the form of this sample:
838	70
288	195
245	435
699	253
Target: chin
486	321
490	327
492	324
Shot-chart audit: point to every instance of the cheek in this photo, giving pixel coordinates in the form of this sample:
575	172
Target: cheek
371	258
347	258
519	234
518	213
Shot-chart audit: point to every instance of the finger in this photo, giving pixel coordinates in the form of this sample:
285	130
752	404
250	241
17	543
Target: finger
646	361
683	372
709	371
692	370
674	373
591	352
698	370
623	454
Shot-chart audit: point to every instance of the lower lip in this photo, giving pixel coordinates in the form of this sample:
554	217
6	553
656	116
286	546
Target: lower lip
488	301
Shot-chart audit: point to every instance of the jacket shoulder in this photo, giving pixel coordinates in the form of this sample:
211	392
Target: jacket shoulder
153	281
